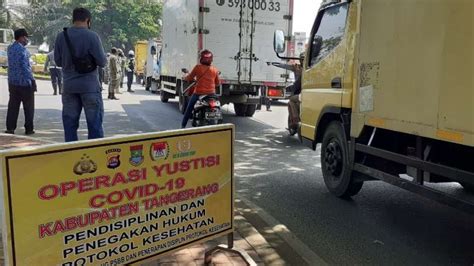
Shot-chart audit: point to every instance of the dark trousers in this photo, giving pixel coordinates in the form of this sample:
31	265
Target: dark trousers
129	80
18	95
56	79
189	110
264	100
73	103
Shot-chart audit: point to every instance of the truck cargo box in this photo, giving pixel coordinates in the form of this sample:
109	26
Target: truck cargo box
415	68
242	44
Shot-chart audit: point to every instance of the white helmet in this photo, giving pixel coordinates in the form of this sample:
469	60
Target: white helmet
131	53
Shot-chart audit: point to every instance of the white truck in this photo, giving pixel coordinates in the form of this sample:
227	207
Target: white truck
239	33
152	66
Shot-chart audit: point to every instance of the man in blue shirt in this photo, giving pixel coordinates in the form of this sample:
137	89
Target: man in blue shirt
21	84
81	90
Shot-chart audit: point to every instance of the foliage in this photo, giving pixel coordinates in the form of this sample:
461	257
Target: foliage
118	23
39	58
122	23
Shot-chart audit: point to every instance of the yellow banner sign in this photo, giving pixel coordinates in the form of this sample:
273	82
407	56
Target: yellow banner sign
119	200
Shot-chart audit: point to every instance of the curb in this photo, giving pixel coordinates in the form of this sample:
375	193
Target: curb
264	250
13	141
292	250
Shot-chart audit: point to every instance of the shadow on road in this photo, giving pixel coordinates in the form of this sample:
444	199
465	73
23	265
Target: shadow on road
49	125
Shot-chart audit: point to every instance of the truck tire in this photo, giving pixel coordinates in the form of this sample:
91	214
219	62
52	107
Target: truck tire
250	110
164	97
183	103
337	172
240	109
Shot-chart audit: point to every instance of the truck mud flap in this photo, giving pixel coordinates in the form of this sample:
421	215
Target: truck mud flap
416	186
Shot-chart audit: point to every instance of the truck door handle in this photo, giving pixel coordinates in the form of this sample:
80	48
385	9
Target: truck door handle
336	83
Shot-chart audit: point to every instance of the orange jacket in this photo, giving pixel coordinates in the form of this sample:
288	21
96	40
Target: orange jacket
207	79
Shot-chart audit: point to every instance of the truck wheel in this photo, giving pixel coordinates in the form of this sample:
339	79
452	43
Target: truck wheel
250	110
468	187
240	109
183	103
164	96
337	172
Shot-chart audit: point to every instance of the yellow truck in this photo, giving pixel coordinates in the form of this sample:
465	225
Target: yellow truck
388	91
140	60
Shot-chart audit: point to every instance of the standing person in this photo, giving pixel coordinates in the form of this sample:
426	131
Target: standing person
122	62
130	70
114	74
21	84
294	103
81	81
55	72
106	70
206	78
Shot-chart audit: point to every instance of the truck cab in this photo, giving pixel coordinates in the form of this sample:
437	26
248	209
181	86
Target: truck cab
385	93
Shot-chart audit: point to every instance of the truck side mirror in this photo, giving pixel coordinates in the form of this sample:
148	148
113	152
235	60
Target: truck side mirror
279	41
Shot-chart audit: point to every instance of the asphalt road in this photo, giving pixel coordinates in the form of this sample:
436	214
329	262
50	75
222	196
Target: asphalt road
381	225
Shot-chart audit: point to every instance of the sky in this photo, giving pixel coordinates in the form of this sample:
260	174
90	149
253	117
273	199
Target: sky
304	13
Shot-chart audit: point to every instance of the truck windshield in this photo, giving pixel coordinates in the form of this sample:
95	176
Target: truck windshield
330	30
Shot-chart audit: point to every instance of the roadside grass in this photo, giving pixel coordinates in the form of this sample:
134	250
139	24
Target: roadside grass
4	71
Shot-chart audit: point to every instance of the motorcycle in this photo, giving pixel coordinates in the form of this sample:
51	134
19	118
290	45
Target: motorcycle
293	123
207	111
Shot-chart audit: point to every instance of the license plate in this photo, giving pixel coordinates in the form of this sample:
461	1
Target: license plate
213	115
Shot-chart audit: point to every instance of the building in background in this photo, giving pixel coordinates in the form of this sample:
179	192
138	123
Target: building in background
300	42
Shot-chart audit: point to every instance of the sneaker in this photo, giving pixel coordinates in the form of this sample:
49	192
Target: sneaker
30	132
10	131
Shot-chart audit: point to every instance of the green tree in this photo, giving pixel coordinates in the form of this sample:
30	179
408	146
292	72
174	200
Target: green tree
44	21
118	23
122	23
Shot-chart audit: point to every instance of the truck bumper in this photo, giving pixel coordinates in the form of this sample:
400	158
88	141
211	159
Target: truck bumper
226	99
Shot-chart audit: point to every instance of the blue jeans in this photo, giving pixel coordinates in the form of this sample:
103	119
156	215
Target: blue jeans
189	110
72	108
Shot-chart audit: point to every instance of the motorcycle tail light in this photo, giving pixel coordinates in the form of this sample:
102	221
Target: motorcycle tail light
212	104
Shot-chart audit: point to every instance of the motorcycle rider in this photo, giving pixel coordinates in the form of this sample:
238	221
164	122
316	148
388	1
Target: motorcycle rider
294	100
206	78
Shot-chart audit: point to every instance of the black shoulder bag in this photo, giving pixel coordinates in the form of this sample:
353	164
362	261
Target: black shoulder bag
83	65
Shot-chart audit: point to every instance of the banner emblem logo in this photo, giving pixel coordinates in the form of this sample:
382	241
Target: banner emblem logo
84	166
159	150
136	155
113	158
